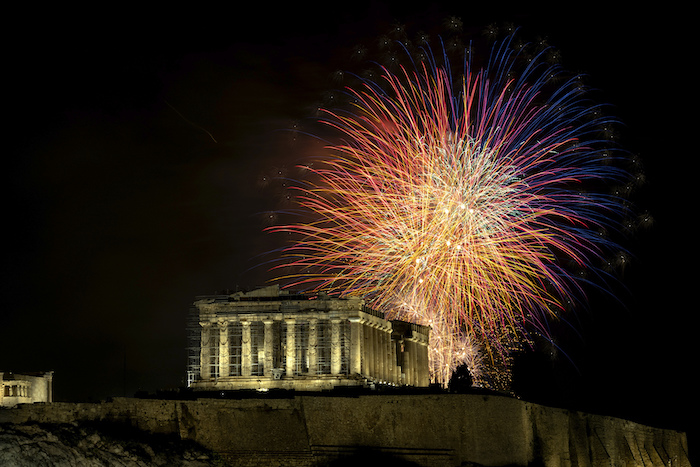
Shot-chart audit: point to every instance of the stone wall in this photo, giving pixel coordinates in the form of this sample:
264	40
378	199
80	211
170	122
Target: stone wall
441	429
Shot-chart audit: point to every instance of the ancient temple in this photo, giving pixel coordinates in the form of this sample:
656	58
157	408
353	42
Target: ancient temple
25	388
274	339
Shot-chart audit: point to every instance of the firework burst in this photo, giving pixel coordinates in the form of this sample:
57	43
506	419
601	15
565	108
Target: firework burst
467	201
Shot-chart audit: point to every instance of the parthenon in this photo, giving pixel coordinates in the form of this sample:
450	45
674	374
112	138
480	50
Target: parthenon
274	339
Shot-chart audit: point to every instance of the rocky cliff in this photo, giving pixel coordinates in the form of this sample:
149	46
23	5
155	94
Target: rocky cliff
429	430
95	444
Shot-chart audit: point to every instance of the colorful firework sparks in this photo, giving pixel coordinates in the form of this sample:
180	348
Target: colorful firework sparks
474	197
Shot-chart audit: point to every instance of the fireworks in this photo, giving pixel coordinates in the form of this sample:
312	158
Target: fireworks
469	202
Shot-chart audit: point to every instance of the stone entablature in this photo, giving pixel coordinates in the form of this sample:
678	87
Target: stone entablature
25	388
271	339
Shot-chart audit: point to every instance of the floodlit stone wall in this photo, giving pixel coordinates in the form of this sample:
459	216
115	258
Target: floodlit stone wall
430	430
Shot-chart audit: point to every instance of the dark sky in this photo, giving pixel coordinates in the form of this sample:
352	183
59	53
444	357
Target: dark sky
136	141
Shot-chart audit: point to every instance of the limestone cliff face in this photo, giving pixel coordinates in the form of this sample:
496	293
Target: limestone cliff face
80	445
420	430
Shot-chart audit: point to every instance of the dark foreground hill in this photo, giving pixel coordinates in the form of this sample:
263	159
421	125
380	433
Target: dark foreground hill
96	444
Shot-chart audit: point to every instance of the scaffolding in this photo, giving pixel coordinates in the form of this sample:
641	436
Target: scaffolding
257	343
323	348
194	344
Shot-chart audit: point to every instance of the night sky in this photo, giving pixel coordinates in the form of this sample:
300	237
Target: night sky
138	143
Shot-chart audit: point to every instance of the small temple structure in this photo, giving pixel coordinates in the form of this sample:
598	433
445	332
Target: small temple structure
275	339
25	388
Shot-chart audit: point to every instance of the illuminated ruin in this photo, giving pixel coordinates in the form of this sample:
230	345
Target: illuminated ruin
25	388
274	339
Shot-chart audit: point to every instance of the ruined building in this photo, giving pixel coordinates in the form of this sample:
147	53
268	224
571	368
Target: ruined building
25	388
273	339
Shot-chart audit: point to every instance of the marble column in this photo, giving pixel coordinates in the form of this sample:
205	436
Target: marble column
366	350
205	351
385	354
414	362
269	362
246	349
375	351
406	363
425	372
377	331
355	346
369	349
394	374
290	347
313	346
49	386
380	353
421	365
389	367
224	356
335	347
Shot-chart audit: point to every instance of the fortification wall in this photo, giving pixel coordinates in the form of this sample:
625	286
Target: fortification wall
445	429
